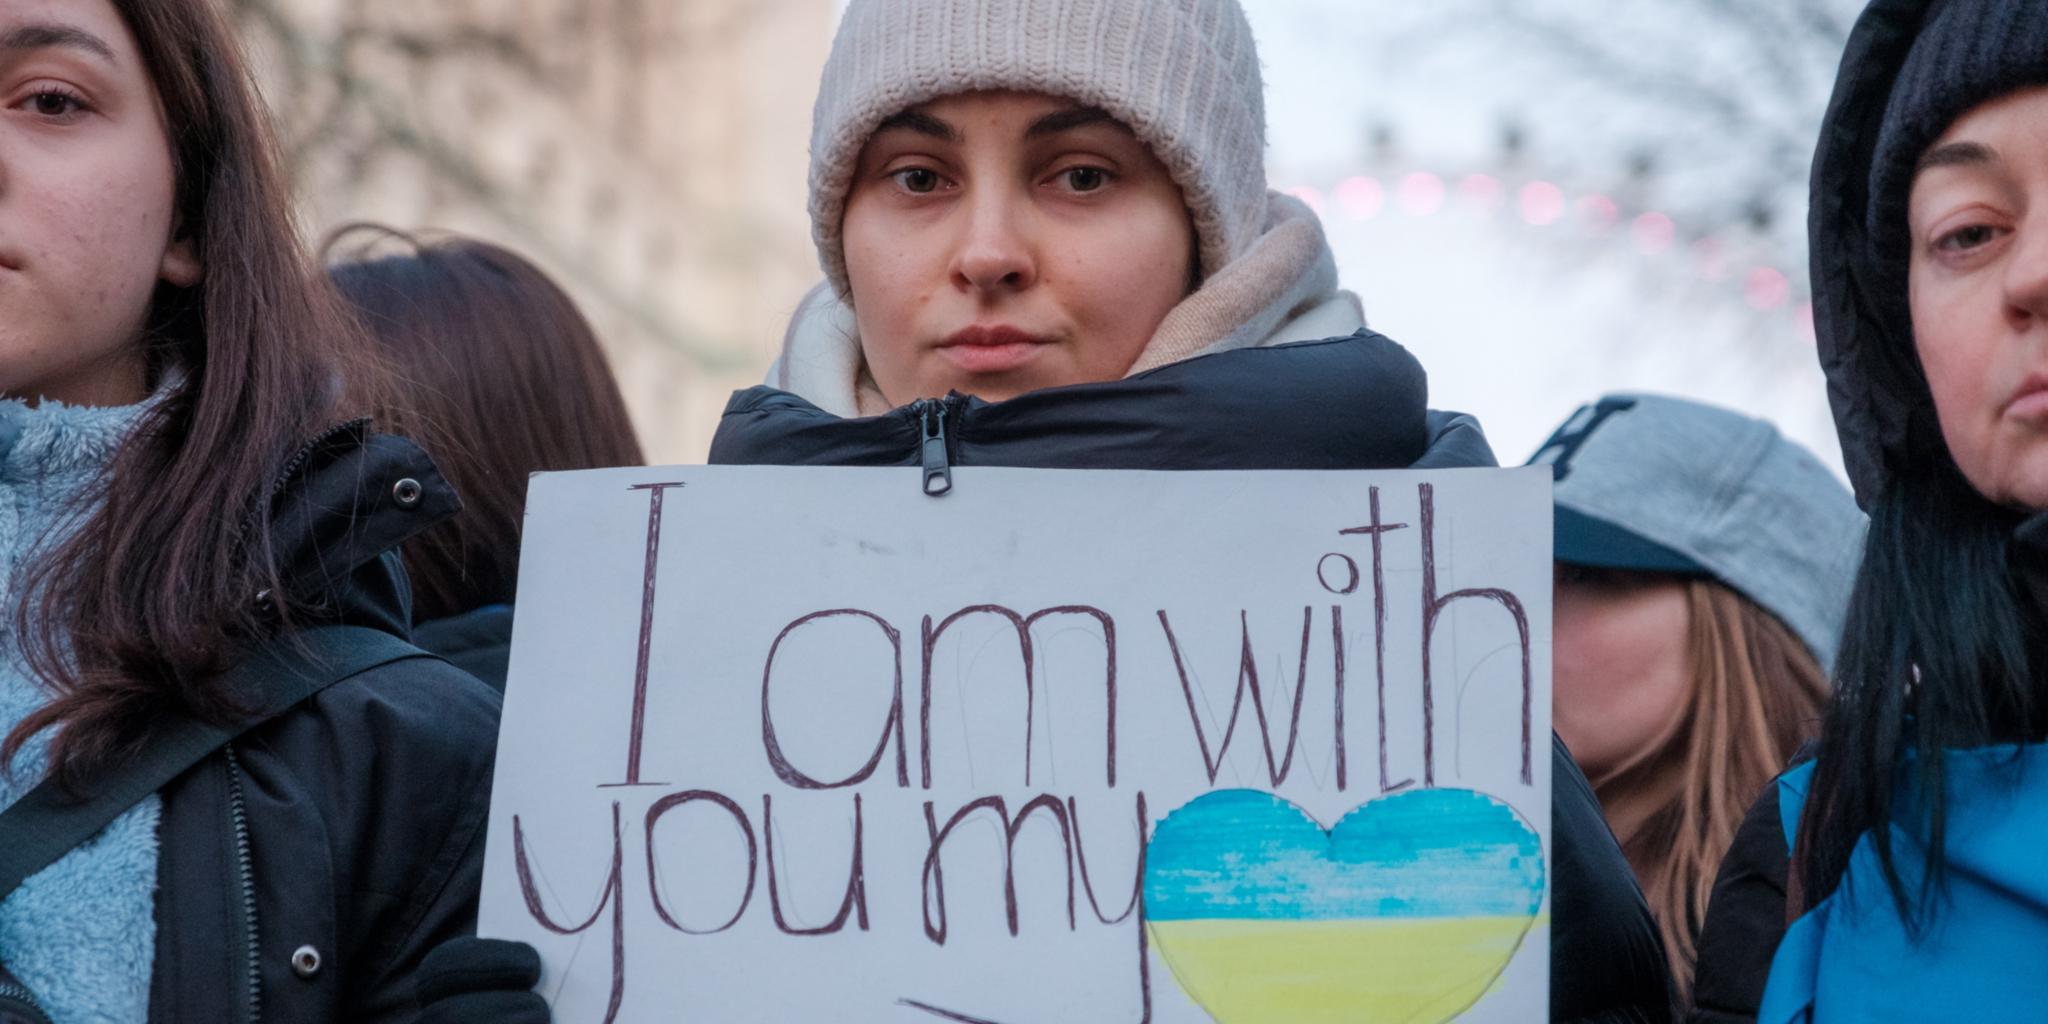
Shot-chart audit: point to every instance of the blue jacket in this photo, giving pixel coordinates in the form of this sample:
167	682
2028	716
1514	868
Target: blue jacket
1852	958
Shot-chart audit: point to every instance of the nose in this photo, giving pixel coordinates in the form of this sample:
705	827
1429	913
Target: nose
995	253
2026	273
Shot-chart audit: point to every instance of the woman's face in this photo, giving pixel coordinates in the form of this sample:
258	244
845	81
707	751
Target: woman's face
1001	242
86	198
1619	665
1978	219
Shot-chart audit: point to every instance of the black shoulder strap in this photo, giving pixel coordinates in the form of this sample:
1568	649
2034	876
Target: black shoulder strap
45	823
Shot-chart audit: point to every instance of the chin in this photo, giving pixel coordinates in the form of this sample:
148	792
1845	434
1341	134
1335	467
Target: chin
999	387
2023	483
2031	495
993	390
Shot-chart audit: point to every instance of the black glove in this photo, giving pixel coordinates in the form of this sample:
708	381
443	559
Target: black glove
481	981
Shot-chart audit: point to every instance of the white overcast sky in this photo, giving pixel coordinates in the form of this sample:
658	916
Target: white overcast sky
1517	324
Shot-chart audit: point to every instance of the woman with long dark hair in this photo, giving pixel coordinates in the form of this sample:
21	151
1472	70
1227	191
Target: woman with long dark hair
499	376
1914	869
187	509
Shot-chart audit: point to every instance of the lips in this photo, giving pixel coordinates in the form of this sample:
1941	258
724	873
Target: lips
996	348
2030	402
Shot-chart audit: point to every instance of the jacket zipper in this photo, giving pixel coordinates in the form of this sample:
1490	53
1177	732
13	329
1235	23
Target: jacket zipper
25	1005
931	432
298	461
252	975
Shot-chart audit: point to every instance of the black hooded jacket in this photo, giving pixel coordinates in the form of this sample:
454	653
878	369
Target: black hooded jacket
1883	410
305	869
1357	402
478	641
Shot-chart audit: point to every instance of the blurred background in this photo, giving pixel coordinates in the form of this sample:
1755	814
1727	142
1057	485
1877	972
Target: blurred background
1545	200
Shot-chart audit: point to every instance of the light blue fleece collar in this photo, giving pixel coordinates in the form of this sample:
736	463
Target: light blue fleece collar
81	934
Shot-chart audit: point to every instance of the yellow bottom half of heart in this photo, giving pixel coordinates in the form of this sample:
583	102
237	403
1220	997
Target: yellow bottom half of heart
1412	971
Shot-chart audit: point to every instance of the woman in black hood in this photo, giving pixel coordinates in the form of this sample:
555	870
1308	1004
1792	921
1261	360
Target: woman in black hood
1911	866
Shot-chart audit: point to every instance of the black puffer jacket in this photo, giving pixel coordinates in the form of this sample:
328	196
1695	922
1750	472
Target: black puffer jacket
1347	403
305	869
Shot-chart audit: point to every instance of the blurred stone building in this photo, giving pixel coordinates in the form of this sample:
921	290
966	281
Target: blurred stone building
648	153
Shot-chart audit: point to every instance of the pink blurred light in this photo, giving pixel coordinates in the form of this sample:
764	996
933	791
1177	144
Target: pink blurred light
1599	211
1360	198
1422	194
1712	257
1542	203
1310	196
1483	190
1654	233
1766	288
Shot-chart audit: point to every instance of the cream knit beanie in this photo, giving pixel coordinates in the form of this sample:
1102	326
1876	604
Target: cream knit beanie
1183	74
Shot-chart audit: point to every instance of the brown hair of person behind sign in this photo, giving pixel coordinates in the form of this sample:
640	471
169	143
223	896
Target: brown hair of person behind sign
1756	695
499	375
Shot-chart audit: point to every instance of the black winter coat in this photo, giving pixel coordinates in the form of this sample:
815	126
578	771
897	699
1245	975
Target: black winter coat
306	868
478	641
1745	919
1357	402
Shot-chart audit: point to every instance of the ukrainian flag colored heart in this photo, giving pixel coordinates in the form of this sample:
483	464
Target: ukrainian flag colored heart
1407	910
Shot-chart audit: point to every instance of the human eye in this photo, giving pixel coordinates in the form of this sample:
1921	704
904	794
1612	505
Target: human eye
917	180
1083	179
1590	577
1967	238
53	102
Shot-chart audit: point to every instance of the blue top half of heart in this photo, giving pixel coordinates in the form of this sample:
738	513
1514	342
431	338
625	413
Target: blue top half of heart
1428	853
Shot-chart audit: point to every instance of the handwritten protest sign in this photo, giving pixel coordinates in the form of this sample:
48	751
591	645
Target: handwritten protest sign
808	745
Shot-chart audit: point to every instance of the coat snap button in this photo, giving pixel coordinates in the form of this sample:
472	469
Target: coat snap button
305	961
407	492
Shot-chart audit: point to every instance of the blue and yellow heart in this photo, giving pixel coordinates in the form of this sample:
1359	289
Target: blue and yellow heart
1407	910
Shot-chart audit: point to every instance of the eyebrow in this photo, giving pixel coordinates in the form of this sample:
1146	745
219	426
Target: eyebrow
1051	124
43	36
921	123
1069	119
1957	154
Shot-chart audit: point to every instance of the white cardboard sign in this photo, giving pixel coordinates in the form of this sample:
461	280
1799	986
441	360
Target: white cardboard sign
804	744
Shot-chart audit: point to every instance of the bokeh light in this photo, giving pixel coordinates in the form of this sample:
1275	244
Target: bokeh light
1766	288
1421	194
1654	233
1599	211
1361	198
1542	203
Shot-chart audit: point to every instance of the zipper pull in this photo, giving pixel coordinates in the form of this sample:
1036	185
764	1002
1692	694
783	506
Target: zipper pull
931	429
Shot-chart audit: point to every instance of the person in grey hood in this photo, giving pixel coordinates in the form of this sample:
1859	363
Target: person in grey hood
1906	852
1703	562
1048	242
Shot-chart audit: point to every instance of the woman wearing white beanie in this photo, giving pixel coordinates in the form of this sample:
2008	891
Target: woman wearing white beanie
1087	238
1048	241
